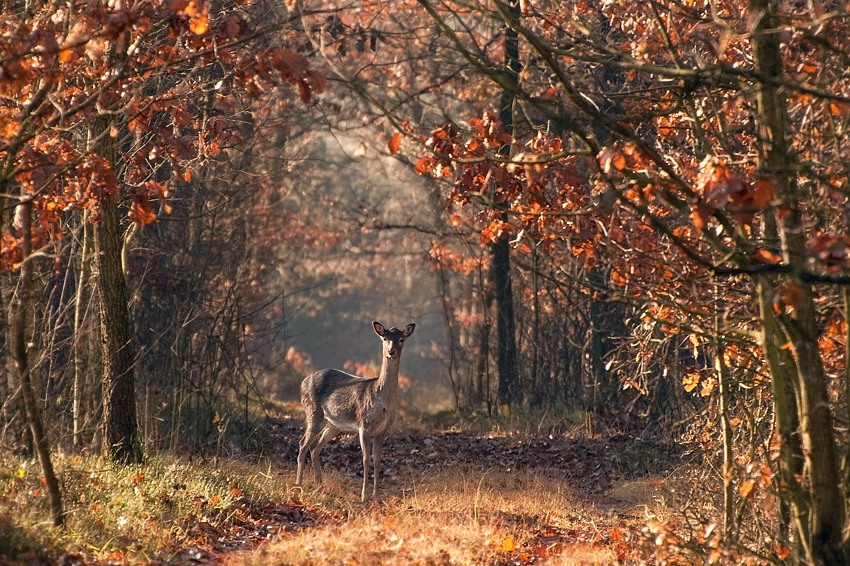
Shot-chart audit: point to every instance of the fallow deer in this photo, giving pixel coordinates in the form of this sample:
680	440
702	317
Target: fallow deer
335	401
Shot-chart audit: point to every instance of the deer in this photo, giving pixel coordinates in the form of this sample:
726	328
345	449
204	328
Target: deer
335	401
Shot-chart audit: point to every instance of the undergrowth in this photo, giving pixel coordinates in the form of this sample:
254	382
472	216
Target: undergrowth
142	513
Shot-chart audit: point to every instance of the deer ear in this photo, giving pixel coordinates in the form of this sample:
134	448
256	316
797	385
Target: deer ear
379	328
408	330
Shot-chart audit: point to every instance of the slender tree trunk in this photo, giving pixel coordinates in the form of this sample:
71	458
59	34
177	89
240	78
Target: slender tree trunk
845	464
506	355
482	392
81	382
827	515
537	396
119	399
730	526
120	428
596	348
451	329
785	409
21	314
500	252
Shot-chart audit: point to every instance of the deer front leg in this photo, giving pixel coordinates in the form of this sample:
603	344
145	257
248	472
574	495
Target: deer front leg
366	448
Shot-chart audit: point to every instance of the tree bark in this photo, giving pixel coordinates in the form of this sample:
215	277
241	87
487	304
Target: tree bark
21	307
730	525
507	361
81	382
783	370
798	321
845	463
119	398
120	429
506	355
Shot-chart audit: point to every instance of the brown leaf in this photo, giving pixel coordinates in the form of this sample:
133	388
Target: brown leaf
199	23
765	256
700	215
763	192
394	143
424	165
746	488
690	381
141	211
791	297
612	159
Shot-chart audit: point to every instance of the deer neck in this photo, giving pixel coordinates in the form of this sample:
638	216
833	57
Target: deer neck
387	385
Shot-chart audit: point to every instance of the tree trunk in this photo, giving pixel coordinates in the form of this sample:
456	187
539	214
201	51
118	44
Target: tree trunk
845	463
18	346
482	391
506	355
443	292
782	368
535	385
500	251
798	321
119	399
81	382
120	429
730	524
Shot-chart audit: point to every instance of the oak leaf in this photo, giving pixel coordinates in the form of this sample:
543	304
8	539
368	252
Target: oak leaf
394	143
791	297
763	192
700	215
612	159
746	489
764	256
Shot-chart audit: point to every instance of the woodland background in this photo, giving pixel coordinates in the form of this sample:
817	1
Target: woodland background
631	216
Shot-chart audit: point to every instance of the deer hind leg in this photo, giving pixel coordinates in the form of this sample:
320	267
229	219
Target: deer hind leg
366	447
377	452
311	436
328	434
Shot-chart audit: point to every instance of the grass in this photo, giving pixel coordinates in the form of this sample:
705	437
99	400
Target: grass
144	513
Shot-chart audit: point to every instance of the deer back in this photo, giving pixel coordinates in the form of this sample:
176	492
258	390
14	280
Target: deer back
345	400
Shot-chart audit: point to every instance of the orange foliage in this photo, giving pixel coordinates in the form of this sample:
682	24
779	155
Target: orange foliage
78	52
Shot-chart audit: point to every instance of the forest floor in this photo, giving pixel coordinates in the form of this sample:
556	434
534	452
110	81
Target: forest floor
450	494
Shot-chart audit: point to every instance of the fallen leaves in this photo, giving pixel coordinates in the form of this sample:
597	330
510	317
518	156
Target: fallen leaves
242	526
